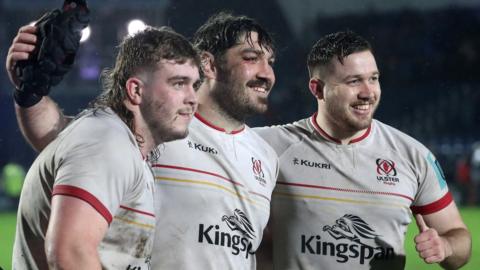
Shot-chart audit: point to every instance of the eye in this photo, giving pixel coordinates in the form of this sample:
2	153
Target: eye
250	58
353	82
197	85
271	62
374	78
179	84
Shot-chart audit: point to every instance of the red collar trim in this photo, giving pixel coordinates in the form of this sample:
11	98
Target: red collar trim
322	132
203	120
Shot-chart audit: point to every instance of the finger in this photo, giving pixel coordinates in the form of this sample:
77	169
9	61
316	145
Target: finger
422	246
25	38
28	29
18	56
433	259
21	47
427	236
422	226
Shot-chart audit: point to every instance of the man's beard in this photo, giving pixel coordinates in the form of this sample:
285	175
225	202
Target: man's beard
155	118
233	98
344	119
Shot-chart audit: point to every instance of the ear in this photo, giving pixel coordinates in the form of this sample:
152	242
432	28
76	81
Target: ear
208	66
135	89
316	87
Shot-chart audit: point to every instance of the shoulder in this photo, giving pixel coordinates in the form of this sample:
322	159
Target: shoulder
394	138
99	132
281	137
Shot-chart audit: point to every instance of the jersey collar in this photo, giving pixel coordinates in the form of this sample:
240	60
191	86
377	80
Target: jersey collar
205	121
330	138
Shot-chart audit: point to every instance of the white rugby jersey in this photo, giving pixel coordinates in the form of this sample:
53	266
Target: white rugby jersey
212	198
96	159
348	206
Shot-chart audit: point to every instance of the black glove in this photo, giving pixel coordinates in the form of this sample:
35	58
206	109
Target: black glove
58	39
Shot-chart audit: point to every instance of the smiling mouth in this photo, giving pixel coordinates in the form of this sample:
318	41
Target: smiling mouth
260	89
362	107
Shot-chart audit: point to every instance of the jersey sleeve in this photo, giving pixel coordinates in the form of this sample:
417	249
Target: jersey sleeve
99	168
432	194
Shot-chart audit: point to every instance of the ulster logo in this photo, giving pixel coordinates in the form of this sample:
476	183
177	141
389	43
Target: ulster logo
386	167
238	236
350	235
258	171
387	172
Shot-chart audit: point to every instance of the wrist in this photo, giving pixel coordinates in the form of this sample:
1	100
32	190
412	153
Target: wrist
25	99
447	247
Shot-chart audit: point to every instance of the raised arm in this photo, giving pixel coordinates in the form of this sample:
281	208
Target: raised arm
39	122
444	238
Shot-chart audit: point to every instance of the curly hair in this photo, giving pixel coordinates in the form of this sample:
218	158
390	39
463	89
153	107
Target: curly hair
224	30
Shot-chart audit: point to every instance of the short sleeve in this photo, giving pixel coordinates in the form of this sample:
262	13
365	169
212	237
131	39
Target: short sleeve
432	194
98	165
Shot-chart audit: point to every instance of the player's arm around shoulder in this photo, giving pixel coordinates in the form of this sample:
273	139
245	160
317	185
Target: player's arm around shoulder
74	232
444	238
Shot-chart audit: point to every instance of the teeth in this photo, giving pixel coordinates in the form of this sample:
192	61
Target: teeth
260	89
362	107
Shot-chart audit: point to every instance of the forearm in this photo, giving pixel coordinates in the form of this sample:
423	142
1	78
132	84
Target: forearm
41	123
460	242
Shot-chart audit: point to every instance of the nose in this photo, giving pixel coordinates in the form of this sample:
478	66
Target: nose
266	72
367	90
191	96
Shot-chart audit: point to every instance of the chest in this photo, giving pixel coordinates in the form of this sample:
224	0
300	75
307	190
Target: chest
353	169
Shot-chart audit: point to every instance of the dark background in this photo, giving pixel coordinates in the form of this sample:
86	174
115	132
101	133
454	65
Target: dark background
428	55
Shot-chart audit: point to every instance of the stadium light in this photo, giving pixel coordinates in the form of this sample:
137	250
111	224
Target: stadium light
135	25
85	34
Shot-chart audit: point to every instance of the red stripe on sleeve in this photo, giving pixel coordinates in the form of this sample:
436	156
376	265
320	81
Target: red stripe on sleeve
433	207
83	195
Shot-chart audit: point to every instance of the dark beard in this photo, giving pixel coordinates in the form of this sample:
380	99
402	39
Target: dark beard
232	99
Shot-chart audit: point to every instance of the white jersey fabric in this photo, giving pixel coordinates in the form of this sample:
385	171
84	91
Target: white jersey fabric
212	198
96	159
348	206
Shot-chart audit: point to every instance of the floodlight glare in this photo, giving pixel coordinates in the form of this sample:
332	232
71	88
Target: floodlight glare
85	34
135	26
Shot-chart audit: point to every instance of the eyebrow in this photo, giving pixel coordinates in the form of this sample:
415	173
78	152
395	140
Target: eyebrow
256	51
360	76
179	78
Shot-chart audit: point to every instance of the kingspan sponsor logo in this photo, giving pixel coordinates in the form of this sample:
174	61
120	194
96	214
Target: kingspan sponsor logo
356	231
238	236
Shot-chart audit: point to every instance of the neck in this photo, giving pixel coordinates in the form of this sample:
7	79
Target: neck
213	113
337	132
147	143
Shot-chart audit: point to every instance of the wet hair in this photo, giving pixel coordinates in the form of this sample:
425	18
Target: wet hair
340	44
140	53
223	30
